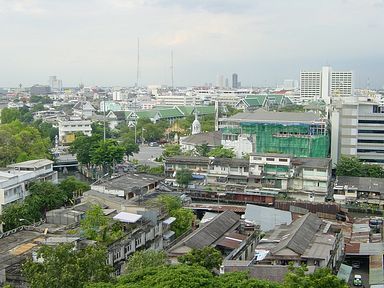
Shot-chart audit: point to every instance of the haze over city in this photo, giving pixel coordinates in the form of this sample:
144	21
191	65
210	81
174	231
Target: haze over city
265	42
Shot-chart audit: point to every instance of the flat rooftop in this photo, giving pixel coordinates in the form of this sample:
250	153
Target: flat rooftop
31	163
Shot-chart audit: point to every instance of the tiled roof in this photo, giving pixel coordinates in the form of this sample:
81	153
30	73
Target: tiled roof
210	138
170	113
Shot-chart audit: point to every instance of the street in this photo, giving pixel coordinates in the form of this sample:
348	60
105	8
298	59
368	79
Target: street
147	155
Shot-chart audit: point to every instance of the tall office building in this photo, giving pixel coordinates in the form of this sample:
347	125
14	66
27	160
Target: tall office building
325	84
357	129
55	84
235	81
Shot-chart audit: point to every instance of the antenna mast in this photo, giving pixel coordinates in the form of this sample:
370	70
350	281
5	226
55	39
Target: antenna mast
172	69
138	62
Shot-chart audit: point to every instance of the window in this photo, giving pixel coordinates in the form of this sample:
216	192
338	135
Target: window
270	159
138	241
283	160
257	158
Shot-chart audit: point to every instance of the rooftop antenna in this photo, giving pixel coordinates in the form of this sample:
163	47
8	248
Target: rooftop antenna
138	62
172	69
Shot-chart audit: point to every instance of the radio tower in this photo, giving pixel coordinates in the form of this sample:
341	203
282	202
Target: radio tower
138	62
172	69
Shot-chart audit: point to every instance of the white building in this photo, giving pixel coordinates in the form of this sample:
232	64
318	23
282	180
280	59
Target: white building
325	84
68	129
14	181
357	129
171	99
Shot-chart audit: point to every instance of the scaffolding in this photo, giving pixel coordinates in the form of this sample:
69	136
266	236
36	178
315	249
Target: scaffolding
297	139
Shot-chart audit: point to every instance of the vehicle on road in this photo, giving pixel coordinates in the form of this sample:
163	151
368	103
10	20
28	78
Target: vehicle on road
357	280
153	144
356	264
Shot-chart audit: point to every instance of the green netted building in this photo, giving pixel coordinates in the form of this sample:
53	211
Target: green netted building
297	134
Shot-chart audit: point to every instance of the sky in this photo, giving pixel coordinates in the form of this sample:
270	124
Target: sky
94	42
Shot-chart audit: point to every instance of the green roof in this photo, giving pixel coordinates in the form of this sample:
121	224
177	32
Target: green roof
204	110
170	113
146	113
253	102
186	110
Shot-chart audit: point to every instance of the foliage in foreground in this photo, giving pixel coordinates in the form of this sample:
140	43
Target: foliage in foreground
208	257
145	259
64	266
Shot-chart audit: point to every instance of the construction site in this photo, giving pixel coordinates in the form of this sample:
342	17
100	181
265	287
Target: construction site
297	134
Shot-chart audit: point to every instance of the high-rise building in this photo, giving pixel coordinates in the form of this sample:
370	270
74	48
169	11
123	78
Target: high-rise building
235	81
55	84
325	84
357	129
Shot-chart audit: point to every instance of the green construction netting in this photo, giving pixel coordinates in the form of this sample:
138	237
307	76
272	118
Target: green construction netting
300	140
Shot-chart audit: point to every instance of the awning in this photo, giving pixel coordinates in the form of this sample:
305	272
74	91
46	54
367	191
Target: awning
168	235
127	217
198	177
169	220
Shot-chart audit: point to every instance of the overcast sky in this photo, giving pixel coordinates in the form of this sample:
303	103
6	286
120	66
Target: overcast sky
264	41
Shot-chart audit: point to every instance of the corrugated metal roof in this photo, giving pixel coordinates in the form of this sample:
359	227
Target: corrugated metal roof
211	232
301	234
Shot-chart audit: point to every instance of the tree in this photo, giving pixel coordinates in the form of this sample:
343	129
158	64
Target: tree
183	177
171	150
221	152
202	150
352	166
130	148
207	257
145	259
93	223
64	266
20	142
242	279
323	277
107	153
348	166
96	226
71	185
9	114
82	147
181	276
184	217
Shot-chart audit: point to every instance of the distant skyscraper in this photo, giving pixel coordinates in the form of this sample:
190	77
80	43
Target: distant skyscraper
226	83
324	84
55	84
235	83
220	81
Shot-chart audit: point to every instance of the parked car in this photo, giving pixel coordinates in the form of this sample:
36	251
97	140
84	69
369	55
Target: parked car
153	144
357	280
355	264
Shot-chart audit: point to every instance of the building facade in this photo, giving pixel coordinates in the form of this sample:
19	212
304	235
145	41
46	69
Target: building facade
325	84
68	129
357	130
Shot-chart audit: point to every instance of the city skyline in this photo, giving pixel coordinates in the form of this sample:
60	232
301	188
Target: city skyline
264	42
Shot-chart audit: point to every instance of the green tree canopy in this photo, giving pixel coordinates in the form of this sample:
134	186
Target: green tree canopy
208	257
64	266
9	115
20	142
141	260
323	277
352	166
202	150
184	217
171	150
43	196
183	177
221	152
